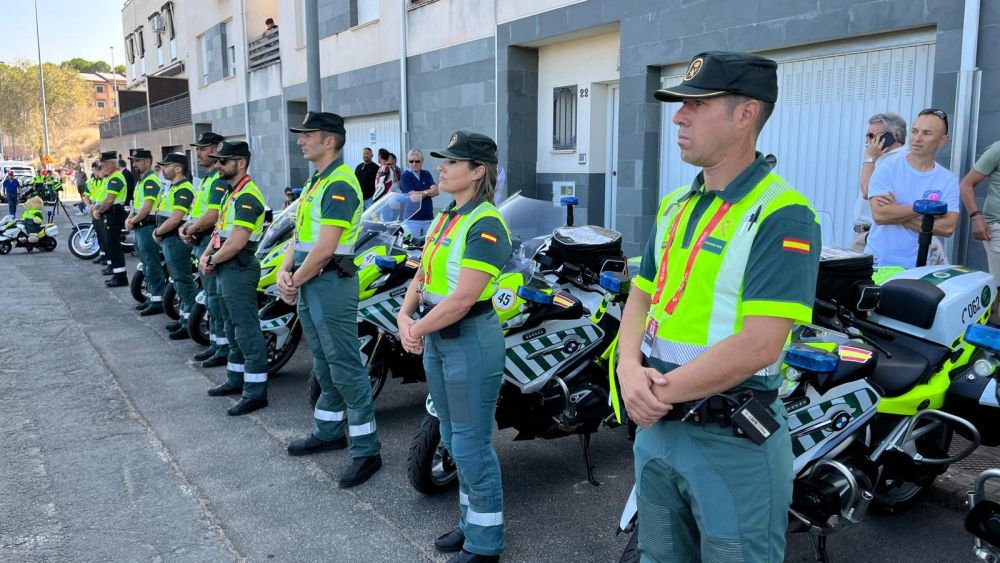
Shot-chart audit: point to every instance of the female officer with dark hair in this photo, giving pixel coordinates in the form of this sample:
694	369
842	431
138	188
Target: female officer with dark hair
460	337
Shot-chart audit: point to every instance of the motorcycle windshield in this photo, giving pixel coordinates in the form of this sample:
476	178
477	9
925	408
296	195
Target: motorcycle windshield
531	222
389	213
279	231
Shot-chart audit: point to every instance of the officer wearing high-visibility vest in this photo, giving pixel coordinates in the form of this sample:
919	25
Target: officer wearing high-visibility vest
96	195
143	220
318	273
230	256
729	267
197	233
460	337
111	211
174	204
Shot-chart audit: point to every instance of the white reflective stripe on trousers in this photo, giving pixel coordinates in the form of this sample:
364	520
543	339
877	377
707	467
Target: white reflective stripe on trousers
463	498
211	338
361	429
255	377
119	270
484	519
329	416
222	341
238	368
155	299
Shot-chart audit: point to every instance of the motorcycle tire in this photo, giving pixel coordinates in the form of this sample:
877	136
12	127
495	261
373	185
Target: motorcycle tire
378	374
5	247
171	302
80	246
137	287
894	495
198	325
49	244
429	467
631	553
277	358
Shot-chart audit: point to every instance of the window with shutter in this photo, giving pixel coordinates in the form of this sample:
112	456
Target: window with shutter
564	118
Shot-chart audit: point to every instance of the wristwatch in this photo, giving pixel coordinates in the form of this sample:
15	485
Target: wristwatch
210	261
868	160
974	214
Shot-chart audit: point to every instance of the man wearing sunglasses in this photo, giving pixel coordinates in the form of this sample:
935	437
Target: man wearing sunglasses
896	185
884	140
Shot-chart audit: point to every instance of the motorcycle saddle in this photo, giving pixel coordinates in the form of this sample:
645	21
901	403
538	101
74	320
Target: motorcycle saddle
912	362
914	302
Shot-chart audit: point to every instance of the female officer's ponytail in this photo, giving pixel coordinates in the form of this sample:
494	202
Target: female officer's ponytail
486	187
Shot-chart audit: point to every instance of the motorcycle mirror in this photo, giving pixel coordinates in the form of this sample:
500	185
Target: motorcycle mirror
930	207
534	295
985	337
811	360
983	521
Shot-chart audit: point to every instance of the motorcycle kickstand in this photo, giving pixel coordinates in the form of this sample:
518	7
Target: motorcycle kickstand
588	459
819	547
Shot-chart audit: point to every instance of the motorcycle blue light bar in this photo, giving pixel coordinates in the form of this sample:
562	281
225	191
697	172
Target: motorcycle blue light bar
610	282
985	337
930	207
534	295
385	262
569	200
814	361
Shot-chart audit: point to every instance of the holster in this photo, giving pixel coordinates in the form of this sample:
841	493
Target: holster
343	265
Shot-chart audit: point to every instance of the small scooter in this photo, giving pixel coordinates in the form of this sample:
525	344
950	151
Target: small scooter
13	235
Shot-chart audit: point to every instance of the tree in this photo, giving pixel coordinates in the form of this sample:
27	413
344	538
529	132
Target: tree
120	69
83	65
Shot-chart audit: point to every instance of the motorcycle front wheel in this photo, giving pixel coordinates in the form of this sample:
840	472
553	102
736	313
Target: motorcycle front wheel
137	287
429	466
278	357
198	324
5	247
49	244
899	488
83	243
171	302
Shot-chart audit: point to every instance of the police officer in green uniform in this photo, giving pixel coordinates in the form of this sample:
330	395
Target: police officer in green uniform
729	267
174	204
93	198
110	210
318	272
460	337
197	233
230	256
143	220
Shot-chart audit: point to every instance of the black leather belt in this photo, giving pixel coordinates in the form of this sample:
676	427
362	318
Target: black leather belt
480	308
147	222
716	408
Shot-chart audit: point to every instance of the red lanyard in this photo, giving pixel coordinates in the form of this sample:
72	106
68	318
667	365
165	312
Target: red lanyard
428	257
661	279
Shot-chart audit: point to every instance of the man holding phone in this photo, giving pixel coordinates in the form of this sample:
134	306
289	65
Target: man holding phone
884	140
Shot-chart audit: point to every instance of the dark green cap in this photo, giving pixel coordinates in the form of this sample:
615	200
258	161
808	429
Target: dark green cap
717	73
239	149
321	121
138	154
208	138
466	145
109	155
175	158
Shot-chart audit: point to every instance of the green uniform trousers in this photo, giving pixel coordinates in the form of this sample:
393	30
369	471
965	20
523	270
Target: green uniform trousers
102	243
705	494
216	325
328	311
464	375
247	365
152	268
178	258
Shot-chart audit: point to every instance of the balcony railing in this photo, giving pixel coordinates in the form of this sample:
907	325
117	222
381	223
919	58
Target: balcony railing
109	127
135	120
171	112
264	50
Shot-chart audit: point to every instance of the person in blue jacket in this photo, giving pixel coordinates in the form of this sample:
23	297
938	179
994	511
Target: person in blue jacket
420	186
10	187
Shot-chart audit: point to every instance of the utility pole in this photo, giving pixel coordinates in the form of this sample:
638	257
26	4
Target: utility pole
41	81
114	88
314	100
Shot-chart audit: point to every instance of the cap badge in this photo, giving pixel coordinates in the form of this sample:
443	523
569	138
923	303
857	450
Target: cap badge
454	139
694	69
220	147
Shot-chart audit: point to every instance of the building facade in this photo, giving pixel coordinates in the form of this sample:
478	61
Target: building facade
103	86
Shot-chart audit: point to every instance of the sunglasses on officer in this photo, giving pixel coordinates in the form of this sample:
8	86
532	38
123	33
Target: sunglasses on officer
225	160
940	114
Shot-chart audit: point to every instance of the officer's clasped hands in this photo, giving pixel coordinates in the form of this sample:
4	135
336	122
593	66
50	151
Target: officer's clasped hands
637	391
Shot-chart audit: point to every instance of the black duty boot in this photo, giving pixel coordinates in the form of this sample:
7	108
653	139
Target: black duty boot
100	260
117	280
360	471
450	542
215	362
176	325
246	406
225	389
312	445
108	271
203	355
466	557
143	305
179	334
152	309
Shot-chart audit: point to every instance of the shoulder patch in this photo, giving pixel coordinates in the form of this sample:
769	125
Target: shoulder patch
489	237
796	245
338	197
248	207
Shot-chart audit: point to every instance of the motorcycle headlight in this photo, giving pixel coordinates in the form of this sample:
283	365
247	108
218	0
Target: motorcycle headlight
983	337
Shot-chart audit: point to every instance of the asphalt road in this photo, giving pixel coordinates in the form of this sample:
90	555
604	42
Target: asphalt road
111	451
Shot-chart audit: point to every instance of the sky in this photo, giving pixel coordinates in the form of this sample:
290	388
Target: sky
69	28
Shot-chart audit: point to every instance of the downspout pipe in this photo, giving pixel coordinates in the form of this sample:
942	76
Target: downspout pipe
246	73
314	99
961	133
404	122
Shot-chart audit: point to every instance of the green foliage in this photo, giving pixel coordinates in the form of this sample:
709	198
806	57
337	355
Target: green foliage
83	65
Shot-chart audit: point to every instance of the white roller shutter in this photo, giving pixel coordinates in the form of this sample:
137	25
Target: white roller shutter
826	95
373	131
367	11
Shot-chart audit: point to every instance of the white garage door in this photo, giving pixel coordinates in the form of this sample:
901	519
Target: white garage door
375	132
826	95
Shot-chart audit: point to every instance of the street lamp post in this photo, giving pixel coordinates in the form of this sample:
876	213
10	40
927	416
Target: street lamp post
114	89
41	80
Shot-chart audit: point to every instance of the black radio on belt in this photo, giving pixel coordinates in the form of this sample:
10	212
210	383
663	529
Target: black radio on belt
343	264
743	410
754	420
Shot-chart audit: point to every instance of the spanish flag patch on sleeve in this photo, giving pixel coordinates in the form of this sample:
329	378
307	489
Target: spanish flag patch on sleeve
490	238
247	207
338	197
795	245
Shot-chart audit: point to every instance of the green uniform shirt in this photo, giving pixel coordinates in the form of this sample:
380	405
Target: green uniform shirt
114	185
248	210
989	166
487	246
339	200
183	197
773	273
150	189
